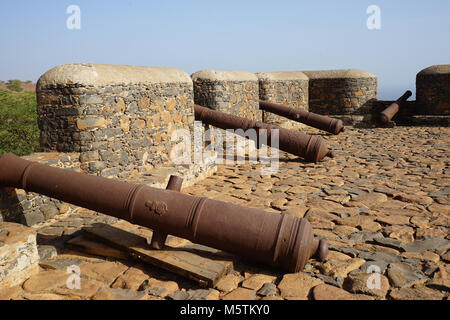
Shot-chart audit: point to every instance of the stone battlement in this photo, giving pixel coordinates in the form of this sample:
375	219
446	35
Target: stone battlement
233	92
341	92
228	91
285	87
118	121
119	118
433	90
112	121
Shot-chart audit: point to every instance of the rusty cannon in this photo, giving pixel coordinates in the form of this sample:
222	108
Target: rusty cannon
274	239
392	110
334	126
312	148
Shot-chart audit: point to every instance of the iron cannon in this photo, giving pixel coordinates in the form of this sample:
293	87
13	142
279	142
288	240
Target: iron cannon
318	121
312	148
274	239
392	110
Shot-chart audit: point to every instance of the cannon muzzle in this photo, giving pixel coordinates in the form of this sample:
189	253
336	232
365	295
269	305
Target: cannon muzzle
275	239
312	148
392	110
318	121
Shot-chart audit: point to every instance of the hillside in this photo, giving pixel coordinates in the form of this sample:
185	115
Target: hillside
26	86
19	132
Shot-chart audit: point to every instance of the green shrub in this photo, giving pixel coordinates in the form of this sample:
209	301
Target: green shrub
14	85
19	131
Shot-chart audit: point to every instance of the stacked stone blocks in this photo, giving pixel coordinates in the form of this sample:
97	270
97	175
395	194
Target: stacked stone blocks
433	90
119	118
289	88
232	92
342	92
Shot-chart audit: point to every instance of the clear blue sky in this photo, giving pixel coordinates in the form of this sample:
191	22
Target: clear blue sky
232	35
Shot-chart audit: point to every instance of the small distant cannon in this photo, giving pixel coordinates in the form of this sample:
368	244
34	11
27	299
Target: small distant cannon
392	110
318	121
274	239
312	148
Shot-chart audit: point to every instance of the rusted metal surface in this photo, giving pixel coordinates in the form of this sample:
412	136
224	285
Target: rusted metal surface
159	238
278	240
312	148
392	110
334	126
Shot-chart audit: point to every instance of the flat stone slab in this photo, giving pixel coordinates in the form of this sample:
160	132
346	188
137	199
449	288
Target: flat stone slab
389	242
404	275
88	74
427	244
338	74
18	254
436	69
224	75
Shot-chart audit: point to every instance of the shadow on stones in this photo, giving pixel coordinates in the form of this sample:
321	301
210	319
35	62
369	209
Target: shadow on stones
10	208
59	243
295	160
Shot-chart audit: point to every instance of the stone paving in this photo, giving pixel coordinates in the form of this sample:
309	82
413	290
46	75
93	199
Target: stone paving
382	203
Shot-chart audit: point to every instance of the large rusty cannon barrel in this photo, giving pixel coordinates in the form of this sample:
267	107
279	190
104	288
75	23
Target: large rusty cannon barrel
275	239
392	110
315	120
312	148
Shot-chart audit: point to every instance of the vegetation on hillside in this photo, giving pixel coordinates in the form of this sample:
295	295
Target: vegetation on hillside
14	85
19	132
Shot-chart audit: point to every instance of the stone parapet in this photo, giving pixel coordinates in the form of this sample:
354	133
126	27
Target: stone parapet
433	90
232	92
119	118
342	92
114	121
285	87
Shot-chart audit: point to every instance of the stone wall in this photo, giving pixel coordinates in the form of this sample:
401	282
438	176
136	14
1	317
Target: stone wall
119	118
111	121
289	88
232	92
433	90
342	92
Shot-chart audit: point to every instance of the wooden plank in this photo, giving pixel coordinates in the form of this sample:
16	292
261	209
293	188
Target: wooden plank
83	244
199	263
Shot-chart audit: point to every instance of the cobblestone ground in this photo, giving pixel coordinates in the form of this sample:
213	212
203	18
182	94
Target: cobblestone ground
382	203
